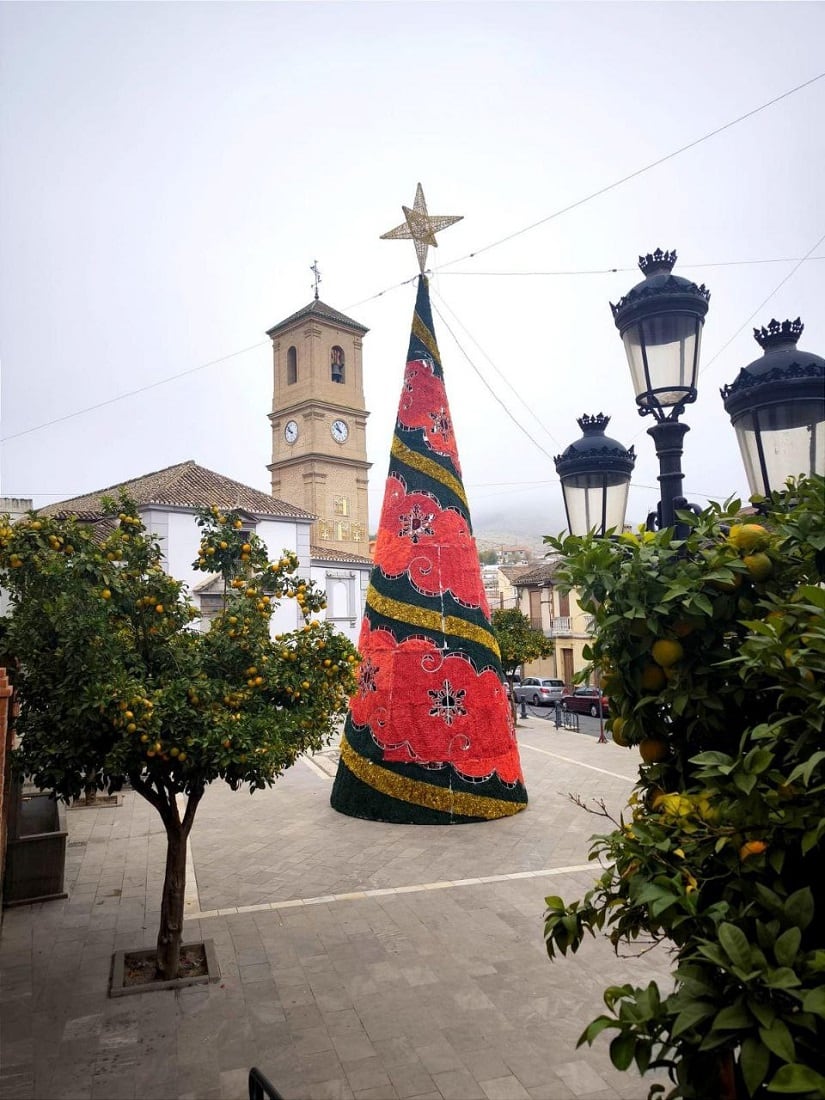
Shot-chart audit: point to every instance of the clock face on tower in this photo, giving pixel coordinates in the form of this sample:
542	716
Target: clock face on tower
340	431
290	431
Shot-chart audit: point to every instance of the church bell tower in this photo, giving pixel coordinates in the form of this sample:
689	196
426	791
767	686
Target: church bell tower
319	447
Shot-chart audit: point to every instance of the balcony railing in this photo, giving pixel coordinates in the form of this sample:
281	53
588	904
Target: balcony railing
561	625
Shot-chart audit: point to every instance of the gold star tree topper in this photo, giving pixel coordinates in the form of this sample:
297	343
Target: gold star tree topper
420	227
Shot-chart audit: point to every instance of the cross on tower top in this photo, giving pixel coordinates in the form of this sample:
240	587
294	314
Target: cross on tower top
316	271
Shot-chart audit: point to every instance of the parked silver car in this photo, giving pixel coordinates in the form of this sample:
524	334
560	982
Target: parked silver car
539	691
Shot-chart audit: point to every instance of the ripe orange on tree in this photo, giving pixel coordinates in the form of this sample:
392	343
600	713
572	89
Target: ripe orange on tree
666	652
759	566
653	750
748	536
616	730
653	677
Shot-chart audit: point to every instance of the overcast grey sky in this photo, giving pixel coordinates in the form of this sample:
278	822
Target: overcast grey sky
170	171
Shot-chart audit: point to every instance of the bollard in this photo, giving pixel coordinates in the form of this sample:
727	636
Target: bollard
523	708
558	714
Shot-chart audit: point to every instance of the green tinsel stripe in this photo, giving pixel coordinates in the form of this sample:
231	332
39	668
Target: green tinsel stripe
411	460
362	743
405	612
356	799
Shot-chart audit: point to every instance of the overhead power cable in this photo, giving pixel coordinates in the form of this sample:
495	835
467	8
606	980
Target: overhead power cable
470	255
762	304
500	373
633	175
132	393
601	191
621	270
487	385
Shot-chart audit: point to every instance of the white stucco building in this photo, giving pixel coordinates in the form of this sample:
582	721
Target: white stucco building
167	502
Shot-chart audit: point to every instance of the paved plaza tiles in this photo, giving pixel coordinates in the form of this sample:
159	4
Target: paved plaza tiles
359	961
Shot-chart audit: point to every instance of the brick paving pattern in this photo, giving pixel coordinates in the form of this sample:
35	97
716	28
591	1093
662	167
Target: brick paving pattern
359	961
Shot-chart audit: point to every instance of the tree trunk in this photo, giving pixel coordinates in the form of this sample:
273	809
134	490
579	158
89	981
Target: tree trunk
90	789
728	1085
163	797
174	883
171	910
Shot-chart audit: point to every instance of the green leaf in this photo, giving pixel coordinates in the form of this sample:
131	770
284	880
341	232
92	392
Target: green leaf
714	953
777	1038
690	1016
758	760
622	1049
803	771
735	944
812	594
814	1001
787	946
771	900
797	1079
744	782
712	757
732	1017
763	1012
754	1061
595	1028
799	908
782	978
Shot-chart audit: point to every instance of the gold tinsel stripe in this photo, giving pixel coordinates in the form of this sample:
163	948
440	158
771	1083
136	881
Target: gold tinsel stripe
426	337
427	467
430	620
424	794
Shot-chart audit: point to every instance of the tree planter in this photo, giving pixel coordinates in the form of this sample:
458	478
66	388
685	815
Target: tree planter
36	850
200	958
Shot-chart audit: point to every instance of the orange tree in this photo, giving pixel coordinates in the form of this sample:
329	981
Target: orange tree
116	683
713	651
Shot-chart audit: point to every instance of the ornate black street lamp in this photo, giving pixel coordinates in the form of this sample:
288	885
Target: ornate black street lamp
660	322
595	475
777	406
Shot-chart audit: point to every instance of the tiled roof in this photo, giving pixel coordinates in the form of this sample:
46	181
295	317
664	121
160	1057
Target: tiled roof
323	553
511	572
542	574
186	485
317	308
213	584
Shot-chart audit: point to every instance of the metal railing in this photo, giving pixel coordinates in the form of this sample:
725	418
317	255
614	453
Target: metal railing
260	1088
566	719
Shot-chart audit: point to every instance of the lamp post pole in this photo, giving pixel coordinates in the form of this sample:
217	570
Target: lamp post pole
668	437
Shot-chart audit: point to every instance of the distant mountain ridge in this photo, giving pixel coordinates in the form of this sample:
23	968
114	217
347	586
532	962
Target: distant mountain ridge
491	539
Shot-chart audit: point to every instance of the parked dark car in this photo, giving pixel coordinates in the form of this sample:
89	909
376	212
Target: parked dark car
539	690
585	700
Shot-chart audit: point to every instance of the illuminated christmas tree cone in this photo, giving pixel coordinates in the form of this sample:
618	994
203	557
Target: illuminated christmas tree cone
429	737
